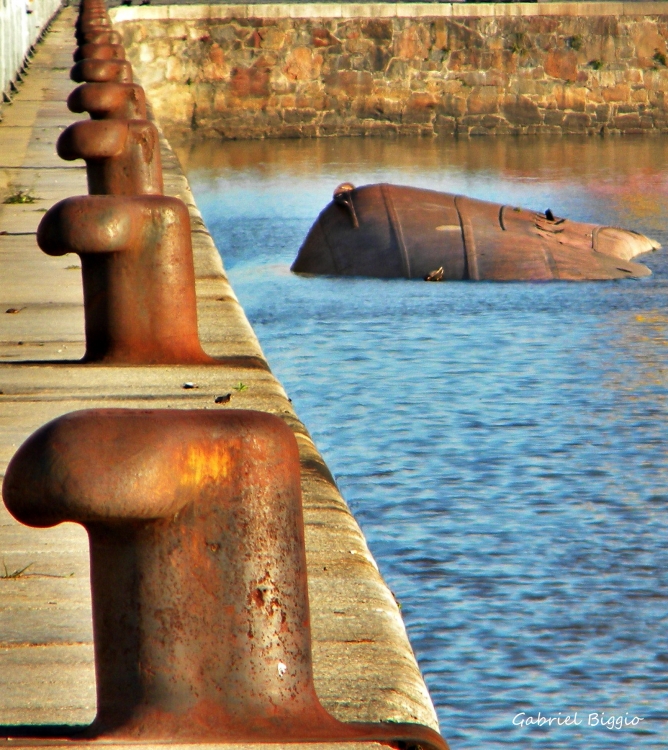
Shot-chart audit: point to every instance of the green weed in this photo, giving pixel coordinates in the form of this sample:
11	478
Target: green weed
20	196
520	43
13	573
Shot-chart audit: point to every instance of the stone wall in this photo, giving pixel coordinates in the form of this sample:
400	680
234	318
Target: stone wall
257	71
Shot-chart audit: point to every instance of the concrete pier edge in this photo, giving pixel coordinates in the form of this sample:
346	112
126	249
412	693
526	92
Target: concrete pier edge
383	10
364	667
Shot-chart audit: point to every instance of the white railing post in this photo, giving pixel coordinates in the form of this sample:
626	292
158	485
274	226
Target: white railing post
21	24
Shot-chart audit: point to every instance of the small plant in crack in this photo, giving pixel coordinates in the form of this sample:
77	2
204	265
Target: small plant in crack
13	574
20	196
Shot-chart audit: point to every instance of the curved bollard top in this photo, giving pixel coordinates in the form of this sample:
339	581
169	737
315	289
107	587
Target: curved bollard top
101	37
149	464
122	156
107	101
197	563
138	277
92	20
198	573
101	71
98	51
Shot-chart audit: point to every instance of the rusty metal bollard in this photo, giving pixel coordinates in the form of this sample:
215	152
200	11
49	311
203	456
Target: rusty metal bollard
122	156
198	573
93	28
90	51
91	15
91	33
138	277
92	24
101	71
89	21
107	101
92	10
101	37
92	5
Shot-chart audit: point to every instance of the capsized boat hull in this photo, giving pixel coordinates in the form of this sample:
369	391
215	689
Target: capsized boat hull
394	231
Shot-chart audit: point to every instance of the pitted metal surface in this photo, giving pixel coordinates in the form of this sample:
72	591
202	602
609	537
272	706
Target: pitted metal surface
138	276
122	156
408	232
198	573
109	101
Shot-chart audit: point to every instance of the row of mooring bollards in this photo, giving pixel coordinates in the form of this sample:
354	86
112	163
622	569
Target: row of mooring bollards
134	242
198	565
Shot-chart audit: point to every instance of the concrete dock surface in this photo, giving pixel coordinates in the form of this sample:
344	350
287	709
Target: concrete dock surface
364	667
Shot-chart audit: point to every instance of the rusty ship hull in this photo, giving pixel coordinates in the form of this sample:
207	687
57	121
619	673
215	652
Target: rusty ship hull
394	231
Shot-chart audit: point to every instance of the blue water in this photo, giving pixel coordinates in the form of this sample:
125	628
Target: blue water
501	445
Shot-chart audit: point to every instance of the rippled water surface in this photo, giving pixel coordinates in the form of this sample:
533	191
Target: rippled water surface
502	445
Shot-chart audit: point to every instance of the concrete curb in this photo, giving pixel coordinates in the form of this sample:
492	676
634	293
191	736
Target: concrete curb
383	10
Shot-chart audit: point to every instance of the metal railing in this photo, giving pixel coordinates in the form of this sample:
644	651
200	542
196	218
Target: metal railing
22	22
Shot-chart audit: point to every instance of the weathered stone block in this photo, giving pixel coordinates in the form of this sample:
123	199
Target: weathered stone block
224	34
463	34
492	122
379	29
271	38
358	46
470	121
627	122
215	68
618	93
413	43
656	80
375	128
544	25
452	105
378	108
295	116
571	97
303	64
321	37
553	117
576	122
439	34
561	63
602	113
398	70
483	100
527	87
349	82
473	78
249	82
420	108
519	110
173	70
647	40
445	125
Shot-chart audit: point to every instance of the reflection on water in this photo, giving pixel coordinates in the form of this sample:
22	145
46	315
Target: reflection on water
502	445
